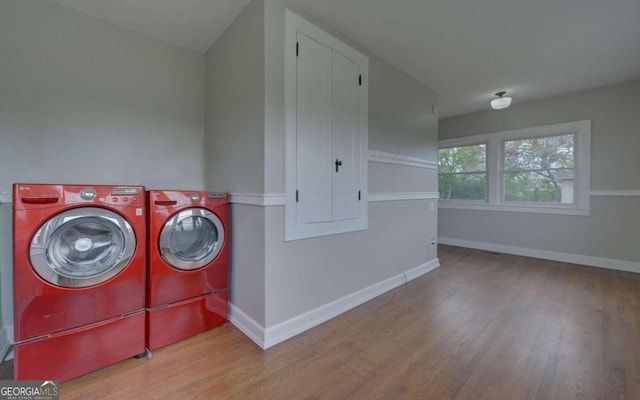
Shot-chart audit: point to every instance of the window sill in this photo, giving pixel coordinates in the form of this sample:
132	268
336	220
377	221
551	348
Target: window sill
516	208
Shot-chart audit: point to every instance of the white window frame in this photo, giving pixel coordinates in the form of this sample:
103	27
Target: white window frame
486	172
294	230
495	178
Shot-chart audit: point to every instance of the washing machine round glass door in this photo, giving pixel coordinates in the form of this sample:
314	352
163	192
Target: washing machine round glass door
82	247
191	239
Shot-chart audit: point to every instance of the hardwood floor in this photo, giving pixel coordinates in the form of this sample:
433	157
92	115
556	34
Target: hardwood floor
483	326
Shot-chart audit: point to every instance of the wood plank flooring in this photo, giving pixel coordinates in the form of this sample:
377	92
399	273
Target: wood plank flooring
482	326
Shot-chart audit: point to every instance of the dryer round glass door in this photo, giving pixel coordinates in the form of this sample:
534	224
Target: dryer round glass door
191	239
82	247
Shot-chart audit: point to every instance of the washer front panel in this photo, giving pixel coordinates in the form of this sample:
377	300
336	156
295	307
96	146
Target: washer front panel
82	247
191	239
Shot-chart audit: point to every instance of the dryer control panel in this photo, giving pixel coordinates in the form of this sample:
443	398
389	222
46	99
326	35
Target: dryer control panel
177	198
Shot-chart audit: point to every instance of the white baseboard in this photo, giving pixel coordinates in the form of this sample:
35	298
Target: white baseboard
420	270
608	263
247	325
271	336
4	343
303	322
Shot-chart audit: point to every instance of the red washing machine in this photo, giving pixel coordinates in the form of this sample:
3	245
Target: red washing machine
188	264
78	278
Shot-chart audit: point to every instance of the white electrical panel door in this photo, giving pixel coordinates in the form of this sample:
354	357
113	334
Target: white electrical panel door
314	131
346	134
326	101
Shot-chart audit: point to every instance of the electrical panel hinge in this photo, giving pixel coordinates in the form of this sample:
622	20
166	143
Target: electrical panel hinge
296	195
360	80
297	49
359	196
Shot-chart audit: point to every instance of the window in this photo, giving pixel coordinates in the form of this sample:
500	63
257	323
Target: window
462	172
539	170
544	169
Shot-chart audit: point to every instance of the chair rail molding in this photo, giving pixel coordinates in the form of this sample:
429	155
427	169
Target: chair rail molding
615	193
275	199
258	199
399	159
402	196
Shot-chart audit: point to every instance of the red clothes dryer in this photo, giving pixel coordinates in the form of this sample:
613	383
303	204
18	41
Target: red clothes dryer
188	264
78	278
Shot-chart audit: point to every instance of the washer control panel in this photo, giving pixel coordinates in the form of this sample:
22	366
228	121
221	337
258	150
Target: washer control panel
121	195
88	193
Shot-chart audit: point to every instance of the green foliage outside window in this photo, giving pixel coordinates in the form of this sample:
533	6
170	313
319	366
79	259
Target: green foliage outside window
462	172
535	170
539	170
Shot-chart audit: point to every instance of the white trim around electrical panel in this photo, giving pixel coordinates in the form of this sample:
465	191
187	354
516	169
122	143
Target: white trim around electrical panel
300	221
6	198
399	159
615	193
269	337
608	263
402	196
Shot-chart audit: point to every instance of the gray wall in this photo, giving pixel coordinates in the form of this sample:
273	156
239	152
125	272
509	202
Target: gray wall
305	274
6	271
247	275
86	101
235	103
613	229
393	178
400	113
130	109
272	280
400	117
235	147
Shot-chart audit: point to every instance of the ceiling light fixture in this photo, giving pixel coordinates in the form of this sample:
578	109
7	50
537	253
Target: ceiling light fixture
501	102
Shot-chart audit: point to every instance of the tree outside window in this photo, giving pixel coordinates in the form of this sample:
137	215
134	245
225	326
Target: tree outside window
462	172
539	170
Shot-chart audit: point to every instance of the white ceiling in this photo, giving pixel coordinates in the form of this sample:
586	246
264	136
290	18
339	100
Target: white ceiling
465	50
194	24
